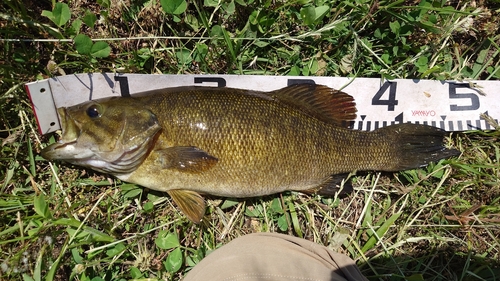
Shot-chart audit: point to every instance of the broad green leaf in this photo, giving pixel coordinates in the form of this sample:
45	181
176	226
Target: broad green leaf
230	8
26	277
48	14
192	21
41	206
216	31
135	272
386	58
83	44
313	66
252	212
131	193
174	261
368	218
130	186
422	61
190	261
380	232
229	43
276	206
228	203
321	11
282	223
78	236
86	230
76	255
254	17
104	3
89	19
261	44
308	15
201	51
184	56
61	14
294	71
210	3
75	27
37	273
422	64
174	7
98	235
167	240
176	18
100	50
117	249
436	170
295	219
148	206
305	70
395	26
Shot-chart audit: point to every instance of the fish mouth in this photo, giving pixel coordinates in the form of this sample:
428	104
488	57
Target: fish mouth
70	130
65	147
117	154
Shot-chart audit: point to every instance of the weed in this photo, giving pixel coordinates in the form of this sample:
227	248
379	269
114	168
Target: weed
65	223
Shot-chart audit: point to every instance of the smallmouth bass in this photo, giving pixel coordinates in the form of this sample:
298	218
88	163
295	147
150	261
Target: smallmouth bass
228	142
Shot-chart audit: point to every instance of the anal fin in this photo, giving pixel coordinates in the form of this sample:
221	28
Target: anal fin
335	185
190	203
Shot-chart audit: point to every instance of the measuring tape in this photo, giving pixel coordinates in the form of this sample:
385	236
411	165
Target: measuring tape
449	105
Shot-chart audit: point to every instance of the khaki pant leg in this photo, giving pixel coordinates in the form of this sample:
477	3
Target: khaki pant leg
271	256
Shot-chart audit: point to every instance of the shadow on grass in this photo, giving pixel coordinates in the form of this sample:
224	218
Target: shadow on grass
433	264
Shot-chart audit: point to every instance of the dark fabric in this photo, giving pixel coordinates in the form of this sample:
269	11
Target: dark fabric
271	256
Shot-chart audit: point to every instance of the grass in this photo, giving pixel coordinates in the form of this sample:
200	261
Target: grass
61	222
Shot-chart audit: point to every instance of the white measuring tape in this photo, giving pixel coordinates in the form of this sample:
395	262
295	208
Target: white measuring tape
449	105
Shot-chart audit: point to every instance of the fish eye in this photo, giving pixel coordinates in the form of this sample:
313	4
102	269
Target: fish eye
94	111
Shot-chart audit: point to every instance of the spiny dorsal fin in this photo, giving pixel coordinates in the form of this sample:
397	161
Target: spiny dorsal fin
190	203
186	159
327	104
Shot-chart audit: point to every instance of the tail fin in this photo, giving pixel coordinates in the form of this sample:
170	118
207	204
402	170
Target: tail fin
416	145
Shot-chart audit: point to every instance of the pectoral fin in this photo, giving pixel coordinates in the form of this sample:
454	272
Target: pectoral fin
186	159
190	203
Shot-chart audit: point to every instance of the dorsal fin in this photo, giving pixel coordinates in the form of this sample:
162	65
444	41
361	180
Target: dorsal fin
327	104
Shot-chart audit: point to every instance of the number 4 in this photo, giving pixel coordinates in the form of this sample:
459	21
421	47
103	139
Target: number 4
391	102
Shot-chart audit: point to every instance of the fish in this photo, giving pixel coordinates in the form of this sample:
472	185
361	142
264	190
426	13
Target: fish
195	140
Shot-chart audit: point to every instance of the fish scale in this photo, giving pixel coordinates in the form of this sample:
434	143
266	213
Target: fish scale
237	143
300	154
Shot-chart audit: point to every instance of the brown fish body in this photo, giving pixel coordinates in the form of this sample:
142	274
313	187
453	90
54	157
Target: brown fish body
236	143
261	146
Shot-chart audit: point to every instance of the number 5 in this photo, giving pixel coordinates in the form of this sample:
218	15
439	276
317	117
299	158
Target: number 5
474	99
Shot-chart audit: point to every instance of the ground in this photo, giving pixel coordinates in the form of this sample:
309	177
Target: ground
62	222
